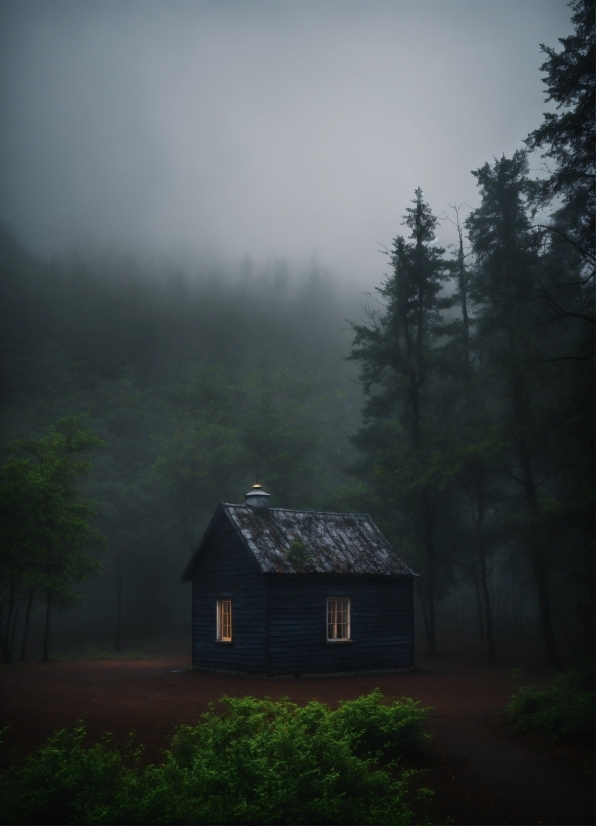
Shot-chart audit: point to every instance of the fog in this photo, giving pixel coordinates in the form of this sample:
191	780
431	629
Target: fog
213	131
193	198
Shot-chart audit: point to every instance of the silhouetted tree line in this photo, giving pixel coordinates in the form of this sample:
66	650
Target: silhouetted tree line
475	445
478	425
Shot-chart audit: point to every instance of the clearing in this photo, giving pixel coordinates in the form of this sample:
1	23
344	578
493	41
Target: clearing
481	771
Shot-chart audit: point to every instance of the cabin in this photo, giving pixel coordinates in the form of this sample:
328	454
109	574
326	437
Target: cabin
280	592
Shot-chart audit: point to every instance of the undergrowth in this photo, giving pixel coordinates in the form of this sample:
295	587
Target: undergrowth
257	761
564	710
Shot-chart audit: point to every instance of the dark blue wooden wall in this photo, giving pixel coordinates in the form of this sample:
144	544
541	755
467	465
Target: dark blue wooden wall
279	622
382	627
227	571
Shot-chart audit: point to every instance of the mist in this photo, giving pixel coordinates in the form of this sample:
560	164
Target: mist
297	381
211	131
194	197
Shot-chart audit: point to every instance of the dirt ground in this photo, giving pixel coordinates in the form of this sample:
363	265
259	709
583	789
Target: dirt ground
481	771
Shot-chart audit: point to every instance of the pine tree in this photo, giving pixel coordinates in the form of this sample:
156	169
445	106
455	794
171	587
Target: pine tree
568	135
400	356
470	458
565	293
510	347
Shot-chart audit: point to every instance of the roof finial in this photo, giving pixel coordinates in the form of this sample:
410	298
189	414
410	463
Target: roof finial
256	497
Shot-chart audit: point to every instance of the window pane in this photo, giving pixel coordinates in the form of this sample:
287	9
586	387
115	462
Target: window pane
338	619
224	619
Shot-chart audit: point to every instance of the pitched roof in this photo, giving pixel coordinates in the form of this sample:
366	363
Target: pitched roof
297	542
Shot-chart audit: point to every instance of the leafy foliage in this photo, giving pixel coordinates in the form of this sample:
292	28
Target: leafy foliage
297	553
260	761
564	711
46	532
379	730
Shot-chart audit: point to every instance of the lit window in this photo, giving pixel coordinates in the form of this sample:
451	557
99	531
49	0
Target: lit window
338	619
224	620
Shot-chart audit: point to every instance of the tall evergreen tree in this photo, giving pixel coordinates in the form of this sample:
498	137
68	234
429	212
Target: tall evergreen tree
567	136
469	460
510	347
398	352
565	291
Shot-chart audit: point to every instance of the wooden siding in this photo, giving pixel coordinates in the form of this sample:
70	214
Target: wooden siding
279	622
382	627
226	570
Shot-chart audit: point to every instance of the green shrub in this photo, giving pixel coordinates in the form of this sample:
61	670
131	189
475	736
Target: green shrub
260	761
564	711
66	782
378	730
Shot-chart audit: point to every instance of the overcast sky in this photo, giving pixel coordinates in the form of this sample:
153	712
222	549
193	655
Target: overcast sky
285	128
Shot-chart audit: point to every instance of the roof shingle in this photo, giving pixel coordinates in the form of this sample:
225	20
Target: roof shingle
292	542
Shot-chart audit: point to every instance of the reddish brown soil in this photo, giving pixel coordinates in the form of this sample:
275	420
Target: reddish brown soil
481	771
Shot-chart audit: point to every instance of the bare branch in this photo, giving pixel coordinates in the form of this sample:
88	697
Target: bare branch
588	256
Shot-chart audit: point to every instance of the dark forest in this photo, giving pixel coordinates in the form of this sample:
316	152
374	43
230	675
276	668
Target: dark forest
407	634
454	404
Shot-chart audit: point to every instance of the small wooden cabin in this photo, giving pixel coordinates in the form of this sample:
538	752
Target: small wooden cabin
284	592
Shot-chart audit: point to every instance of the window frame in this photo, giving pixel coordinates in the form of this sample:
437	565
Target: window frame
348	623
219	620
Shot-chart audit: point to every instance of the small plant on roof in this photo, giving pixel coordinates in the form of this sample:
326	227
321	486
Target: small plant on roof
297	553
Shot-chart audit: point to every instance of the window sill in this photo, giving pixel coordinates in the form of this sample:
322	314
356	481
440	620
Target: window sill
339	642
223	642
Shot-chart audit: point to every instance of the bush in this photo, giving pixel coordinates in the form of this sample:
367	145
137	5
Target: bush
260	761
564	711
381	731
67	782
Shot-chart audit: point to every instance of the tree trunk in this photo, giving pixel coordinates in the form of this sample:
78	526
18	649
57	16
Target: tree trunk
117	635
463	291
538	566
490	640
431	641
429	519
550	642
26	628
478	607
585	611
478	521
8	626
46	633
13	631
421	597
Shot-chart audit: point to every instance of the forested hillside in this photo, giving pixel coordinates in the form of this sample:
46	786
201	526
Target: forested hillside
455	405
196	384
